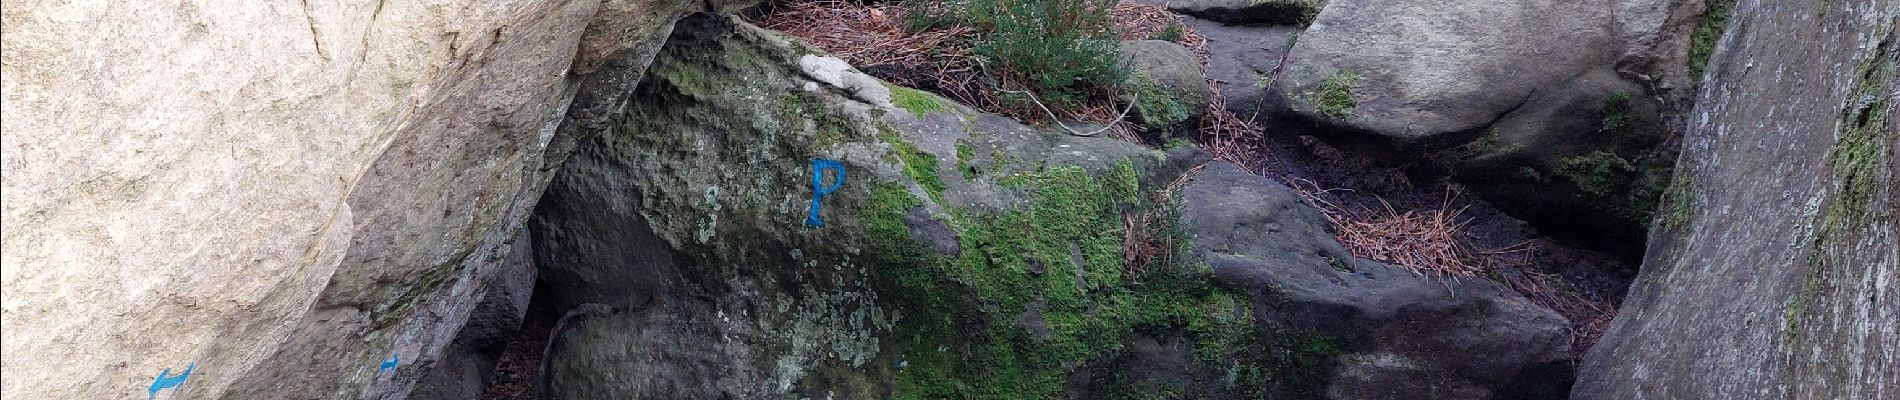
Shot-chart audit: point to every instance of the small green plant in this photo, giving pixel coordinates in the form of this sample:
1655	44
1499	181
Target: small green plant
1063	51
1338	264
1172	33
1334	97
1702	42
1616	112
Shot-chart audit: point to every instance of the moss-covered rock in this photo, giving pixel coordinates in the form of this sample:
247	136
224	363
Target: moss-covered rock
1585	161
688	220
1165	86
964	255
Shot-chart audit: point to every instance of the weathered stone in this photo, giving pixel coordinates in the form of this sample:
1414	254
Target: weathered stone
695	242
465	367
1771	271
1412	70
1548	108
1242	61
956	237
1165	86
1376	331
282	196
1585	160
1653	40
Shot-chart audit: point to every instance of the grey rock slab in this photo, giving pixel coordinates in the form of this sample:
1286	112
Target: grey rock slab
1403	333
1419	69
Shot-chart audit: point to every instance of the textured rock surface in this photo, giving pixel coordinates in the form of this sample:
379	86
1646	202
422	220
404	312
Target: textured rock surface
1573	99
1586	159
683	229
962	239
1388	333
466	366
1242	59
1772	271
1418	69
283	195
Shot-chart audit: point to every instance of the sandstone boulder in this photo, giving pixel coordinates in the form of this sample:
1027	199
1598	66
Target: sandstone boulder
1413	70
281	199
1556	111
1771	271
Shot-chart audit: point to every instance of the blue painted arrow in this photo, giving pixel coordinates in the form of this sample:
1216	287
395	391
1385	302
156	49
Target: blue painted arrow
166	380
390	364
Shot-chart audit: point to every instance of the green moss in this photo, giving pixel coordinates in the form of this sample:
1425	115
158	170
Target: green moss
1595	173
1791	319
1160	109
1322	344
1616	112
1679	201
997	161
916	101
1616	186
1792	313
964	154
1334	97
919	165
1702	42
1059	259
1864	140
801	108
1861	152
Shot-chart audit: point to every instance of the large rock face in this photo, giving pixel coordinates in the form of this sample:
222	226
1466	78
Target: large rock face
1063	266
1772	273
1557	111
277	197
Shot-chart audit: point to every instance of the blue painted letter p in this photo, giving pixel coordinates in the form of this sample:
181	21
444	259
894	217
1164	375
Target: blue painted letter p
818	188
